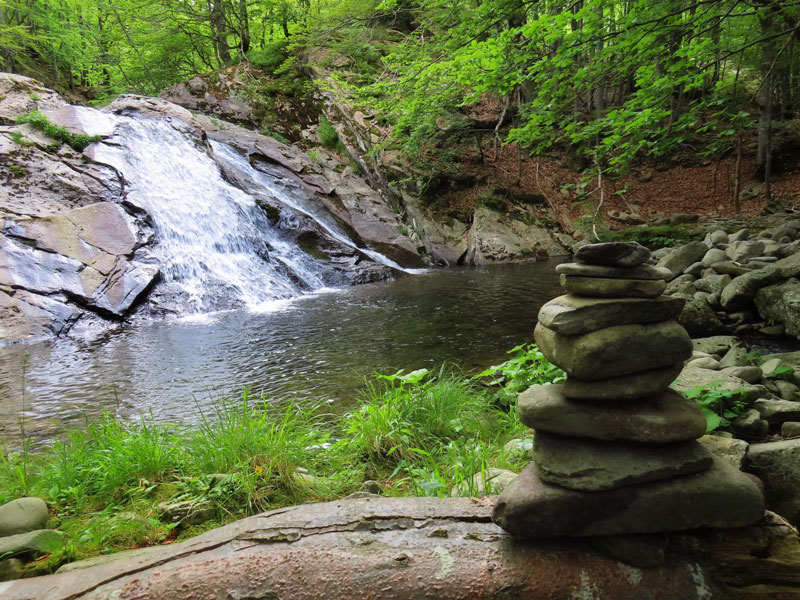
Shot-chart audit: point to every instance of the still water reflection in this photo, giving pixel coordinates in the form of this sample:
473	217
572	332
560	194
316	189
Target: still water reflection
318	346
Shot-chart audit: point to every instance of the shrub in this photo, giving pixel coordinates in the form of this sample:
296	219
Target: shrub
270	57
76	141
327	134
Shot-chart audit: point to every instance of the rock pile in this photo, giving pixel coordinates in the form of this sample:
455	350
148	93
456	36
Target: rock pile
23	536
615	449
742	280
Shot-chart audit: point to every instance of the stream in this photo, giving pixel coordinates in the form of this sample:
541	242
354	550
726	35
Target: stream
318	346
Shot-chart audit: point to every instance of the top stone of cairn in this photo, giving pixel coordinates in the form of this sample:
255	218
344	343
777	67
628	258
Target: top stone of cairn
613	254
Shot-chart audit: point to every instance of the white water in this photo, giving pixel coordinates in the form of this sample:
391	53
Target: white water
213	242
267	184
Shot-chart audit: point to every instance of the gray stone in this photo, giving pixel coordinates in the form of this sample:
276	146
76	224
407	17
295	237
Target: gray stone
40	541
612	288
693	377
718	236
678	260
188	511
735	357
682	284
613	254
786	390
776	412
615	351
770	365
571	315
714	255
666	418
743	250
780	303
729	450
705	362
695	269
11	569
591	465
22	515
699	319
774	330
790	429
519	448
750	374
718	497
742	234
626	388
717	344
371	486
713	284
743	289
647	272
490	482
777	464
728	268
750	425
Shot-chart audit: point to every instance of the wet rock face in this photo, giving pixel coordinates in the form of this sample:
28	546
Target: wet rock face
606	465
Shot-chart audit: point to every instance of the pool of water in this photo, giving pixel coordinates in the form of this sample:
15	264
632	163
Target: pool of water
315	347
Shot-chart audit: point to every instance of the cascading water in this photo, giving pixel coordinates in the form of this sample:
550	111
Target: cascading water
213	242
269	186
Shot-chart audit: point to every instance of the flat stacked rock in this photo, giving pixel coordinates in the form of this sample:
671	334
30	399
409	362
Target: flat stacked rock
615	450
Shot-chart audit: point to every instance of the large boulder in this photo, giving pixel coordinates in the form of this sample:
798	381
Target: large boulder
780	303
22	515
777	464
699	319
497	237
680	258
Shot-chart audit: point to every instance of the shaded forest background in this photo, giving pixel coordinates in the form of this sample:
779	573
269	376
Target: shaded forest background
606	82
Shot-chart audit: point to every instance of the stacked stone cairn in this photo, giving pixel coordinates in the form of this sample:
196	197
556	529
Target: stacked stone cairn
615	449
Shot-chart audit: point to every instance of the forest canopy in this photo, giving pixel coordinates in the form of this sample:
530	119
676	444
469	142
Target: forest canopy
608	80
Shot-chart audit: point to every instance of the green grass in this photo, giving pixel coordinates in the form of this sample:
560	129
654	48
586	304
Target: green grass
417	433
38	120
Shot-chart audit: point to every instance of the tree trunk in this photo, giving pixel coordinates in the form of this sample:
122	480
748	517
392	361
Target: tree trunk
219	28
766	19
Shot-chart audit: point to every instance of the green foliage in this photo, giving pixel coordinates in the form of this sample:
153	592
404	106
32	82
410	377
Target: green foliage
20	139
270	57
274	134
327	134
38	120
16	170
718	406
525	368
652	236
781	372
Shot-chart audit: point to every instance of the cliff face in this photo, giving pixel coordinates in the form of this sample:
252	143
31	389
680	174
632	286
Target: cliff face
497	226
78	242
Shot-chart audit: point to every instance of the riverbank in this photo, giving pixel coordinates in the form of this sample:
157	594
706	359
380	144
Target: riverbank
112	485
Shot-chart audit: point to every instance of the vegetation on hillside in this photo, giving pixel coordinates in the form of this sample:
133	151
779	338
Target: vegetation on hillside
604	80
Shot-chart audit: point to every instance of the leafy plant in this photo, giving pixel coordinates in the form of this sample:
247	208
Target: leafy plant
652	236
718	406
525	368
20	139
327	134
76	141
16	170
781	372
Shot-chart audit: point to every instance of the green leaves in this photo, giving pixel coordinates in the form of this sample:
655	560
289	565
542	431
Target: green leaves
525	368
718	406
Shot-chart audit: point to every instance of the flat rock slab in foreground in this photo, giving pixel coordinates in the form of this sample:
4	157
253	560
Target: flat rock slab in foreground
404	548
718	497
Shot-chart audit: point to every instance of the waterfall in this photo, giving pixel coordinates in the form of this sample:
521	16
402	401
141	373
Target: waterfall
215	245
